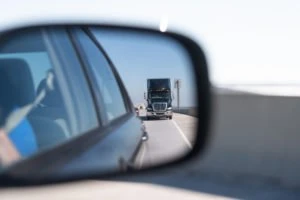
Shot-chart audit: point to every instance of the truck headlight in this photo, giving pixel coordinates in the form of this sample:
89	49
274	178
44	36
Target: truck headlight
149	109
170	108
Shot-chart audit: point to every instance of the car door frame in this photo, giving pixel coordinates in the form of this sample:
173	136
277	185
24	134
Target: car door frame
100	105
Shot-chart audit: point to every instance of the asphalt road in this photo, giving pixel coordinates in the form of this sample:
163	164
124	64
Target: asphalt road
168	139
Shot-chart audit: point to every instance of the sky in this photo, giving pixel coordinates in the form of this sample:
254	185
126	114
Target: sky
138	57
245	42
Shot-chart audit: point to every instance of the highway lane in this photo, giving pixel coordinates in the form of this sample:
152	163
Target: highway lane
168	139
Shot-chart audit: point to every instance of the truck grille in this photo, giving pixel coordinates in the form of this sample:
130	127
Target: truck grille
159	107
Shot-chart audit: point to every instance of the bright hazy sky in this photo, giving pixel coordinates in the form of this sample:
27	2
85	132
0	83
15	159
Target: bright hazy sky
255	41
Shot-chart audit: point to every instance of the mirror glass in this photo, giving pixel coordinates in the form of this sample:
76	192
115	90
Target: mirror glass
158	68
93	99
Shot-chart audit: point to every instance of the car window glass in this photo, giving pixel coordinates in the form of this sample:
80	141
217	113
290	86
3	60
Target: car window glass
35	110
38	63
79	100
105	80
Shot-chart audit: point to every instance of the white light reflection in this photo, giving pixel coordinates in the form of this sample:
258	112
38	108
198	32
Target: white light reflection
163	24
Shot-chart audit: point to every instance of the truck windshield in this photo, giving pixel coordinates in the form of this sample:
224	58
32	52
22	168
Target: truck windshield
159	95
157	84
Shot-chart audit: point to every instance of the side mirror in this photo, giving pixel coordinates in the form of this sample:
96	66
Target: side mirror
98	132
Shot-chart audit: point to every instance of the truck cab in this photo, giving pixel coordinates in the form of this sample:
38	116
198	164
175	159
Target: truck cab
159	98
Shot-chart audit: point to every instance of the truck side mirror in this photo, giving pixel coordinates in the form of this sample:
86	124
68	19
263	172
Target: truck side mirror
145	96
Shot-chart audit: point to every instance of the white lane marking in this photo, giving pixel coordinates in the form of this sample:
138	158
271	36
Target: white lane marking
142	156
182	134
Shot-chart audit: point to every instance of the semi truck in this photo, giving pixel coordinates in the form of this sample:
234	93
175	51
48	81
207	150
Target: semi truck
159	98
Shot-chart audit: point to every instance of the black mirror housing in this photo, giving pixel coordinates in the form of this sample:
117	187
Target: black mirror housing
54	164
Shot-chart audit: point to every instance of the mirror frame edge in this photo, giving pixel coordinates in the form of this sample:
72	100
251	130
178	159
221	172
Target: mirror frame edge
197	56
